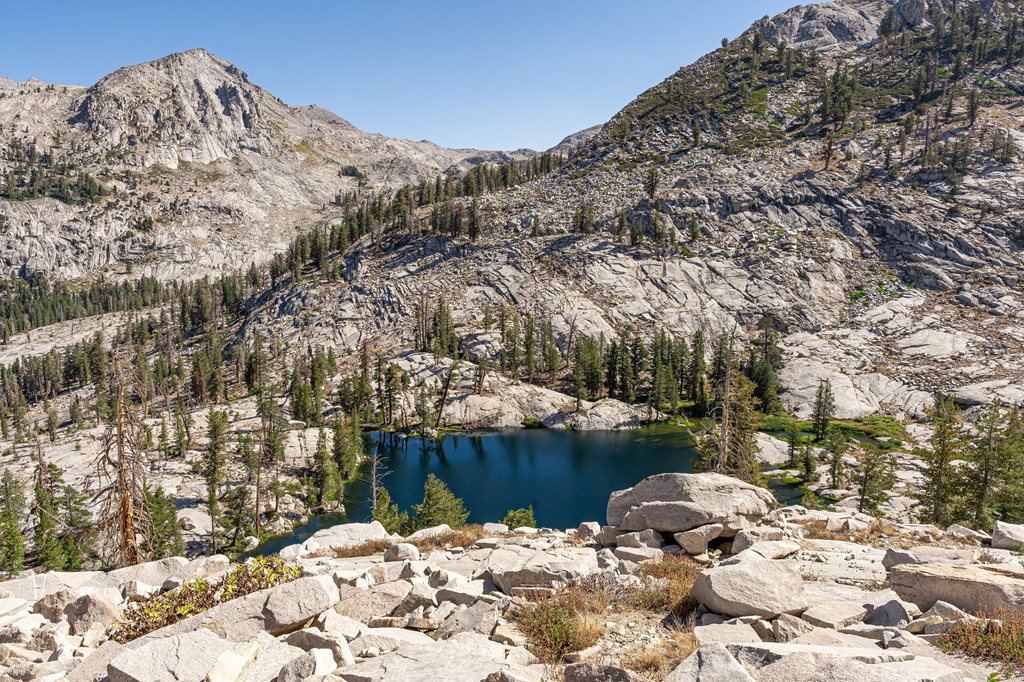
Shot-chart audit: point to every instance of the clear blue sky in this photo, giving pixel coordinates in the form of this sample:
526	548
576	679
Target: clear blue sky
484	74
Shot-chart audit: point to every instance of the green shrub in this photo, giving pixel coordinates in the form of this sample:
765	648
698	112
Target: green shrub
554	627
199	595
998	638
517	518
812	501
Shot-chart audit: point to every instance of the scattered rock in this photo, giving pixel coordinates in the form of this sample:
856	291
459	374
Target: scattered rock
751	588
673	503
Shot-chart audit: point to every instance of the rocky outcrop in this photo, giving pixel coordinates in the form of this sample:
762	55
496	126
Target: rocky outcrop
766	589
512	566
972	588
1007	536
672	503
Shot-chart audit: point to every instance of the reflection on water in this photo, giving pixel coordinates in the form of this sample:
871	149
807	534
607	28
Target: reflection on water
566	475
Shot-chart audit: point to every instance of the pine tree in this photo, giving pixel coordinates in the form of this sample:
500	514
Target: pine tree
325	474
388	513
49	550
213	467
836	446
994	467
78	534
166	540
439	506
347	450
520	518
941	482
729	446
238	515
828	150
824	409
876	475
794	436
809	463
697	388
12	507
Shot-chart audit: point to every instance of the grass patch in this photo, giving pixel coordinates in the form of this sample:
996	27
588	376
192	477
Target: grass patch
557	626
200	595
997	638
461	537
657	661
667	585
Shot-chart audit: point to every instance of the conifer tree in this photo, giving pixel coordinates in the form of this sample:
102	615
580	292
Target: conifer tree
347	446
214	462
876	475
941	482
238	515
325	474
836	446
12	507
388	514
991	477
439	506
166	540
697	388
824	409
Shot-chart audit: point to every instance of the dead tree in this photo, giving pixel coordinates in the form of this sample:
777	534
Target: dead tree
124	521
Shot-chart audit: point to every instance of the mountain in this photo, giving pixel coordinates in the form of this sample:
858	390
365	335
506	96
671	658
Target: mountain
205	170
849	169
892	268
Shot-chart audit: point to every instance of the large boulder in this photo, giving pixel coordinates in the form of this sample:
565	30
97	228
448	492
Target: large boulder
673	503
430	662
1007	536
710	663
597	672
151	572
971	588
926	554
836	663
201	568
38	585
188	656
380	600
510	566
756	587
88	610
342	536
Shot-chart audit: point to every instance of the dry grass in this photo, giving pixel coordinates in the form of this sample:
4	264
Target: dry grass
817	530
875	532
667	585
461	537
657	661
986	556
997	638
879	533
555	627
368	548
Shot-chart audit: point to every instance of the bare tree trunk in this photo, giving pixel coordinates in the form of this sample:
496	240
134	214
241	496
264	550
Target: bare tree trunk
444	394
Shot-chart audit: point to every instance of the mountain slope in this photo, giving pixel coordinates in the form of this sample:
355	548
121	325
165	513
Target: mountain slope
893	266
203	170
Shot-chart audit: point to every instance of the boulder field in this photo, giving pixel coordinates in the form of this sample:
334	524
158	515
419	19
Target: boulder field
780	597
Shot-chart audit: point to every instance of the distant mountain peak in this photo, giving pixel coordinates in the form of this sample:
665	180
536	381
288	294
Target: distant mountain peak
190	105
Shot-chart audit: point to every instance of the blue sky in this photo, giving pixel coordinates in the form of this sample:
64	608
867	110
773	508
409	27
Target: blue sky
484	74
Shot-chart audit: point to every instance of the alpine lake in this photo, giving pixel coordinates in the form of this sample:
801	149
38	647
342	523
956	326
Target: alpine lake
566	475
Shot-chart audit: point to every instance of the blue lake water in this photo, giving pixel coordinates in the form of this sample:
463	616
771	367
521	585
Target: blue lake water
566	475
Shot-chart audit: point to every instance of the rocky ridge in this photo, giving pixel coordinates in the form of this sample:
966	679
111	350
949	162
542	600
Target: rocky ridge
227	173
777	601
